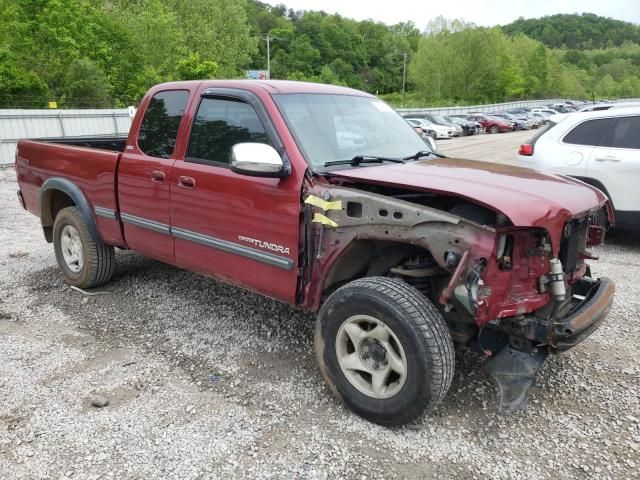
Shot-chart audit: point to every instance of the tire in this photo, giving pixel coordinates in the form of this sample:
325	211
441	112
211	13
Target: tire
494	129
85	262
418	343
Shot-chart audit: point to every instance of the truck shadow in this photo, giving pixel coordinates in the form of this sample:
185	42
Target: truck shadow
622	238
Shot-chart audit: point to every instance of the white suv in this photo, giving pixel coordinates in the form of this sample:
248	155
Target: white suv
601	148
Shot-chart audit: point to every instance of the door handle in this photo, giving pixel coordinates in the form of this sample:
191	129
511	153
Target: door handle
187	182
608	158
157	176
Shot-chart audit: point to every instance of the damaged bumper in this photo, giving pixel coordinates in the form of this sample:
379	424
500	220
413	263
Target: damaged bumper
587	316
514	371
572	327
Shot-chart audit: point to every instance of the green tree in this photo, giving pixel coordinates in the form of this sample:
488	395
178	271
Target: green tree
51	48
577	58
46	36
86	85
532	59
585	31
218	31
192	67
473	64
628	89
606	87
19	87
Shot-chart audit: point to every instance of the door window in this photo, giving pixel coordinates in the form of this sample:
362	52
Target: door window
589	132
625	134
159	128
220	124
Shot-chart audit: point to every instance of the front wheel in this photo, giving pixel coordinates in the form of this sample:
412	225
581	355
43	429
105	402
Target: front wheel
384	349
494	129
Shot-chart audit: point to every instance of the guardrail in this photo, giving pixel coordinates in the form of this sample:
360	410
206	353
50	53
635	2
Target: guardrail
492	107
21	123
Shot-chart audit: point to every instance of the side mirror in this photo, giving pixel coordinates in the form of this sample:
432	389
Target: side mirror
432	143
257	160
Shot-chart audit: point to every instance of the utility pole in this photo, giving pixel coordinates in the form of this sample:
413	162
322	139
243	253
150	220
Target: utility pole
404	72
268	38
268	57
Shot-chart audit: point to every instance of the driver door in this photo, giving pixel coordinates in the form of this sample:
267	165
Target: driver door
239	228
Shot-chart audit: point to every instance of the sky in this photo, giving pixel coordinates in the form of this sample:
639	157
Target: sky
481	12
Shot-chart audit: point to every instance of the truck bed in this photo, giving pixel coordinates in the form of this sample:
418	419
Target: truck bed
89	163
111	143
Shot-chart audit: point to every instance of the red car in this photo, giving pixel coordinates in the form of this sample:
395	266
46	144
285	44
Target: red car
324	198
492	124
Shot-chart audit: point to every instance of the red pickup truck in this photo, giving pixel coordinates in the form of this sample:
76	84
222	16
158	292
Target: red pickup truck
323	197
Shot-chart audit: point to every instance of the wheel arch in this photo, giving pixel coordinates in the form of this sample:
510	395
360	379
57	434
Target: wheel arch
58	193
366	258
597	184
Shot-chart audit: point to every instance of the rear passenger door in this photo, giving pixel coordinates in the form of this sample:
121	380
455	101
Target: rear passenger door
144	173
615	163
576	146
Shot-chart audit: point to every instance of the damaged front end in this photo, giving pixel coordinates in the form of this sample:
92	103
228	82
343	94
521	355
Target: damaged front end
513	293
532	299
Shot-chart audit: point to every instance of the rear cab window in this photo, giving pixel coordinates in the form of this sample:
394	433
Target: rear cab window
161	121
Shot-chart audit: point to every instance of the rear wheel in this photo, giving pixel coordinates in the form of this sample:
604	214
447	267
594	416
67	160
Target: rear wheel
84	261
494	129
384	349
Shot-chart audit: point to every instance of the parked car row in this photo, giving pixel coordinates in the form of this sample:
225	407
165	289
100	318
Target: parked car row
439	127
523	118
473	123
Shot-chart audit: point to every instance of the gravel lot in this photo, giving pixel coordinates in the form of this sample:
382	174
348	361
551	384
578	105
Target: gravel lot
499	147
207	381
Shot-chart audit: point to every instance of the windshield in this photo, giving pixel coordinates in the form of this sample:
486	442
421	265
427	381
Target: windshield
330	128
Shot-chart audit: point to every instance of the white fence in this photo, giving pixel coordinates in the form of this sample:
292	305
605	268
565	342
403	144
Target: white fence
493	107
18	124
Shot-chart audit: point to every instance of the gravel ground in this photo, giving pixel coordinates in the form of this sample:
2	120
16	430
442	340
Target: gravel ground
206	381
499	147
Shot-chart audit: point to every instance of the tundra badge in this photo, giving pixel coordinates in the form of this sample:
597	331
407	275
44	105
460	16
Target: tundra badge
274	247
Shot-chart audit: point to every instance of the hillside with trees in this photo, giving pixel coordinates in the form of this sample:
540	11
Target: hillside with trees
102	53
584	32
458	62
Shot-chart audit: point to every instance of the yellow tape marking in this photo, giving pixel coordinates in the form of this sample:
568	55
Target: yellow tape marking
323	204
324	220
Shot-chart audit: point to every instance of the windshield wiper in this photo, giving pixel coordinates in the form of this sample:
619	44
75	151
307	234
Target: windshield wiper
358	159
423	153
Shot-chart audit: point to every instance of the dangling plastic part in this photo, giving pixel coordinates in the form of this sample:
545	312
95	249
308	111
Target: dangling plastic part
514	373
